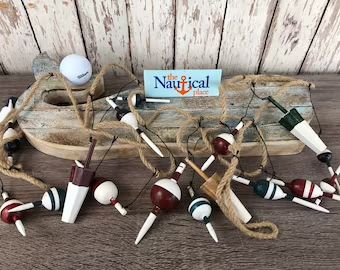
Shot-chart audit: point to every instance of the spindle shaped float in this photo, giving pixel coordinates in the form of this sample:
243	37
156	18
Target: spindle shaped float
52	200
137	99
305	189
270	191
200	209
129	118
11	218
165	196
221	145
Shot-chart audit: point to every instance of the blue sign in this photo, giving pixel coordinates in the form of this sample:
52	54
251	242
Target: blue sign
182	83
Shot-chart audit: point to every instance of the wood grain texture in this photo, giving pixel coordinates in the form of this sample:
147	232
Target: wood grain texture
16	36
143	35
291	33
103	239
151	34
1	69
56	27
105	30
324	53
198	33
51	125
245	28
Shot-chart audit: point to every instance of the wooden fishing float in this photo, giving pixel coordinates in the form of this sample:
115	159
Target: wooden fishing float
14	145
106	192
52	200
129	118
334	178
300	128
221	145
200	209
271	191
304	189
165	195
80	180
11	218
137	99
210	187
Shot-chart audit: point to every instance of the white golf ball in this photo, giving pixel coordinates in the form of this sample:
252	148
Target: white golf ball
76	68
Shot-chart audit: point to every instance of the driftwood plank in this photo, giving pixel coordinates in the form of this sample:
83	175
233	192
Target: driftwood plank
18	47
245	28
105	31
291	33
55	130
56	27
198	33
324	53
152	34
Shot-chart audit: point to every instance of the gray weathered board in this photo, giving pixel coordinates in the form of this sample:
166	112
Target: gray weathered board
51	126
44	122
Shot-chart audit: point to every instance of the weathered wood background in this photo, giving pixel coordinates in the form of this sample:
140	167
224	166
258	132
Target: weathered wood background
249	36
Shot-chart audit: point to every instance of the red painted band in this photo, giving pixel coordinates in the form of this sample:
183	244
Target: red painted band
311	190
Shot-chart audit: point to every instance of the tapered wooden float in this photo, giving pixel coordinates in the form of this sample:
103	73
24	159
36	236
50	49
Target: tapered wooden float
51	126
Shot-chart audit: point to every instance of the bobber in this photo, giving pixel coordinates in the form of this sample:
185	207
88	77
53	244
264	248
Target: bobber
52	200
12	146
298	126
137	99
6	110
78	186
200	209
334	178
271	191
165	196
210	187
106	192
11	218
326	186
304	189
129	118
221	145
76	68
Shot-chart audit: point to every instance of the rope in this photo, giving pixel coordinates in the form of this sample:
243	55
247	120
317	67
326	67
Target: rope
261	230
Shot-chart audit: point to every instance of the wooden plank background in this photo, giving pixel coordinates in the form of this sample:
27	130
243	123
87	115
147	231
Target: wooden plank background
248	36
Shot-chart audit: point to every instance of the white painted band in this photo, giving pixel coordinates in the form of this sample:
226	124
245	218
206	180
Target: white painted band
269	191
171	186
181	167
7	203
306	190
